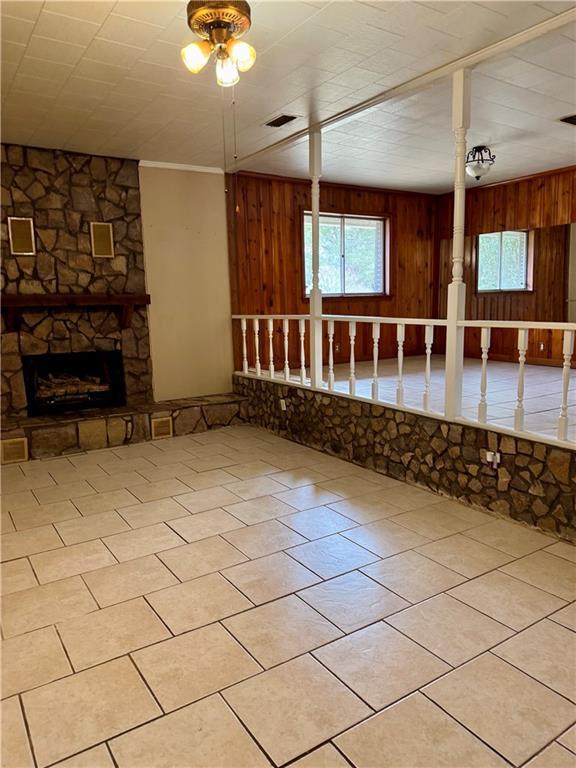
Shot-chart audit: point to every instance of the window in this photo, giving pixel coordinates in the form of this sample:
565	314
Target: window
502	261
352	254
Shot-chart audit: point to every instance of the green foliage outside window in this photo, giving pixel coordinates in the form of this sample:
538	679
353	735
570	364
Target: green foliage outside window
502	261
351	255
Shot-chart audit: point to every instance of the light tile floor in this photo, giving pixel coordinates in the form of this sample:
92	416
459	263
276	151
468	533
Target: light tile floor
232	599
542	391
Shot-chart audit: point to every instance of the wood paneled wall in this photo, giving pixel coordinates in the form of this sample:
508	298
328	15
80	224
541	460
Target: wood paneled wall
266	256
545	204
531	203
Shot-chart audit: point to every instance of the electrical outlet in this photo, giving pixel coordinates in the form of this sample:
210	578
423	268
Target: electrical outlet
282	404
337	347
493	458
541	346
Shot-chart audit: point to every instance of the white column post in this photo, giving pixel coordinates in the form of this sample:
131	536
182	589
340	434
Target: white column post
457	290
485	347
567	347
428	341
286	331
257	347
400	336
315	158
522	349
271	348
244	348
302	333
352	376
375	340
330	354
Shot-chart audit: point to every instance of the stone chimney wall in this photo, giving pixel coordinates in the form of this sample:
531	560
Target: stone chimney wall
63	192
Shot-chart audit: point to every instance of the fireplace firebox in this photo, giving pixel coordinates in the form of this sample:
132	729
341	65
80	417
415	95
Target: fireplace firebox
57	383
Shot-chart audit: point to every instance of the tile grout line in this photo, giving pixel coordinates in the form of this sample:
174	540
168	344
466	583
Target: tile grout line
466	728
27	728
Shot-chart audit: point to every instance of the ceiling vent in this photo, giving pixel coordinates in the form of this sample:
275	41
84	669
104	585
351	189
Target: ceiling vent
571	119
281	120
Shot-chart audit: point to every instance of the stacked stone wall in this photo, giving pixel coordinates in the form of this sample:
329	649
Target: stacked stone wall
535	482
63	192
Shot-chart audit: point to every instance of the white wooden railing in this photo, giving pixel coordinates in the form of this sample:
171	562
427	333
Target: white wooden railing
376	324
260	331
568	331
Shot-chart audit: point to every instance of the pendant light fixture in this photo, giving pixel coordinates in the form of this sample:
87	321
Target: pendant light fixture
219	25
479	161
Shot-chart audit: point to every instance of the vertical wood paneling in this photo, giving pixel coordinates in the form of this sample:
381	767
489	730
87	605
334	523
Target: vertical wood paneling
267	257
540	201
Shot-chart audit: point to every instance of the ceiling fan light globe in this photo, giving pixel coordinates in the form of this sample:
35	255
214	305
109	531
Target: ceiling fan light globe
226	72
243	54
195	56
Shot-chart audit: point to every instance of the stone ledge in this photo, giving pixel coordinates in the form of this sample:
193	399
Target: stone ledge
98	428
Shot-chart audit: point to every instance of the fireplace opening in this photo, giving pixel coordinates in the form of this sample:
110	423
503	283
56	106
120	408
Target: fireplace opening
57	383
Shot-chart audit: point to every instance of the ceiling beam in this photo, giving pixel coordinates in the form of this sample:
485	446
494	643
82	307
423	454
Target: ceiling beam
426	79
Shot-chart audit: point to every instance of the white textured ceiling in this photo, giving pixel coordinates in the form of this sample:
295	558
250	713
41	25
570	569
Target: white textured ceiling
106	77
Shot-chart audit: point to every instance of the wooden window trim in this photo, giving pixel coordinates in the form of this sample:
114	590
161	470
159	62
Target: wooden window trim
386	294
530	248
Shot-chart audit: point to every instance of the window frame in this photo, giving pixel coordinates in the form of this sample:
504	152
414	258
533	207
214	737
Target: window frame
529	263
386	276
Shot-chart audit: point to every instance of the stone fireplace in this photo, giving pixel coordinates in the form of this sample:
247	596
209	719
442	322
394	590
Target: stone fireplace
65	381
84	310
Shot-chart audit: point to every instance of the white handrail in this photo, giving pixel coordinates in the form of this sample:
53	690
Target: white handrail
384	320
271	317
514	325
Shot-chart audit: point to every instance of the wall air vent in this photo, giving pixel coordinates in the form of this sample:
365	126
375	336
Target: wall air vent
161	427
571	119
281	120
14	449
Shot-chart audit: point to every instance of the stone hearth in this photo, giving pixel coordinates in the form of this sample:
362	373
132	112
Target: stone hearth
64	434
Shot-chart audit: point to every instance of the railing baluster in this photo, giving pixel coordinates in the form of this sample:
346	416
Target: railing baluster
302	329
257	346
428	341
567	347
271	347
244	347
286	331
330	355
522	349
352	377
485	347
400	335
375	340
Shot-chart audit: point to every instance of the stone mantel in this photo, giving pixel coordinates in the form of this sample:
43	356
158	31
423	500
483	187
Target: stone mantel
13	305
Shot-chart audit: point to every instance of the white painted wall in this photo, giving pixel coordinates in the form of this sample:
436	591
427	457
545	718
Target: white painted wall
186	261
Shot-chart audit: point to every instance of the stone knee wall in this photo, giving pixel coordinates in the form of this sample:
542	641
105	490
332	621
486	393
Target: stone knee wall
535	482
63	192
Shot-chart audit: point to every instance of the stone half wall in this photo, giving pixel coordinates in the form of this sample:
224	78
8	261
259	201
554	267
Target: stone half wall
63	192
535	482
